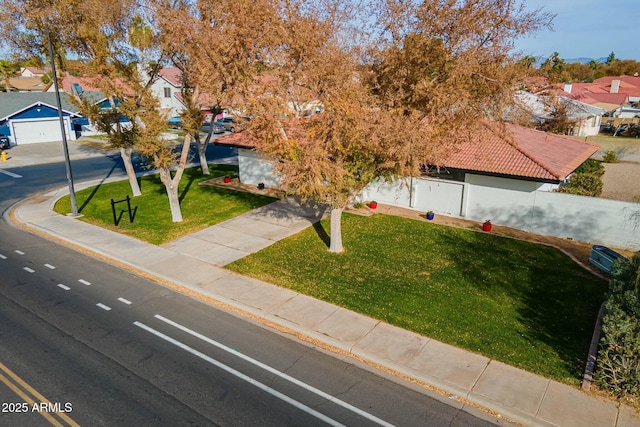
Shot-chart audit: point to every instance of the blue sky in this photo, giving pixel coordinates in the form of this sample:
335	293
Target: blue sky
587	28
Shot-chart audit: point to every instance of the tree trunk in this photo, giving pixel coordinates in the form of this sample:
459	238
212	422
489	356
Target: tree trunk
172	184
202	153
335	245
172	193
125	153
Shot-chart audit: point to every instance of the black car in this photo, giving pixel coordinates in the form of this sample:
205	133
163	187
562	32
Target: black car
4	142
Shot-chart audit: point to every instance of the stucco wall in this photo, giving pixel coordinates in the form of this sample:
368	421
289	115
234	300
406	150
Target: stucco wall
525	205
519	204
255	168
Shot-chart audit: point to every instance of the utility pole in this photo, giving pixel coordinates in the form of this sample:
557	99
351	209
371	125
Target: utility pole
72	193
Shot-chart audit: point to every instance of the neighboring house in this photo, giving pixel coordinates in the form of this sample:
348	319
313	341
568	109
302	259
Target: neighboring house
33	117
31	72
168	90
614	94
585	119
27	84
622	84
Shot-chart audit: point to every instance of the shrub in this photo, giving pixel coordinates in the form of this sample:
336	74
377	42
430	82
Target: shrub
618	363
610	157
584	184
592	166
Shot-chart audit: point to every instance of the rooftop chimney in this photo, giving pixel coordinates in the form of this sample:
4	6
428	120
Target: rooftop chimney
615	86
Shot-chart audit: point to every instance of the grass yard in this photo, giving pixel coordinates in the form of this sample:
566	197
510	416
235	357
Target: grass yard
202	206
524	304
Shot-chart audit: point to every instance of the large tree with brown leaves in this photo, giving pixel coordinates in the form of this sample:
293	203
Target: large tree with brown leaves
218	48
433	71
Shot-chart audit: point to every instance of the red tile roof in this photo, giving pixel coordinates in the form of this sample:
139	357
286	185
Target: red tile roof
625	81
521	152
608	98
236	139
172	74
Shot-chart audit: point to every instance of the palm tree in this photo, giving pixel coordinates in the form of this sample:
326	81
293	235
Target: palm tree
8	69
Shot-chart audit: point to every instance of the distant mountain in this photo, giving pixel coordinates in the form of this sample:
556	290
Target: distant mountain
584	60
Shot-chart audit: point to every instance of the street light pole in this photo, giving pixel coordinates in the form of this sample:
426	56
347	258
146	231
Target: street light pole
72	193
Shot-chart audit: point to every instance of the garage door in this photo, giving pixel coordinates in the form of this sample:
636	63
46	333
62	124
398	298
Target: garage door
30	132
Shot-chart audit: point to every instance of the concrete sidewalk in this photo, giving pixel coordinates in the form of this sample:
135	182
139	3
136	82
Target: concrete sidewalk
466	378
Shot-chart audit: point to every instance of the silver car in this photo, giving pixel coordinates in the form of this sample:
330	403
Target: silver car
217	128
228	123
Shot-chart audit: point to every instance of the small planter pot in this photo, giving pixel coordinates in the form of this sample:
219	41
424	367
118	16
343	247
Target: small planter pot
430	216
373	205
227	179
486	226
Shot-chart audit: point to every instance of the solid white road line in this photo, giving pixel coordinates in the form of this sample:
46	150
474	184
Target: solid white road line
104	307
274	371
28	270
66	288
11	174
124	301
84	282
240	375
50	267
19	252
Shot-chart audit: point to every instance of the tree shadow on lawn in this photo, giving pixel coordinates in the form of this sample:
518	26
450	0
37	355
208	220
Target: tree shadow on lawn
557	308
322	233
96	188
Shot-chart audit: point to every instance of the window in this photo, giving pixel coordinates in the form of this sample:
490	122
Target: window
167	92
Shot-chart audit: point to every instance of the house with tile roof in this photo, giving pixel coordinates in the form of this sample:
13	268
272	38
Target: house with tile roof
614	94
508	175
621	84
519	153
515	153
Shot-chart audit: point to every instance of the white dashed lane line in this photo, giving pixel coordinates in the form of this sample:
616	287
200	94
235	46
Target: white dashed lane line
65	287
11	174
50	267
84	282
124	301
19	252
3	256
104	307
28	270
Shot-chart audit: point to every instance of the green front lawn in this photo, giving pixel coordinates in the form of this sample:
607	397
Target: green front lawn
202	205
521	303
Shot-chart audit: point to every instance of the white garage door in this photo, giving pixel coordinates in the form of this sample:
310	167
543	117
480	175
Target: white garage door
30	132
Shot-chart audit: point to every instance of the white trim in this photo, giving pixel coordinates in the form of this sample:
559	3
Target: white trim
38	104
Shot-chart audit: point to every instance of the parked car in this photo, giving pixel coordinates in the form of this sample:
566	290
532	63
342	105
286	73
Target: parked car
175	122
228	123
4	142
217	128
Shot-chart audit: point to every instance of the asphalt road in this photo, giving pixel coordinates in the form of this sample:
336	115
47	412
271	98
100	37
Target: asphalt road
106	347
